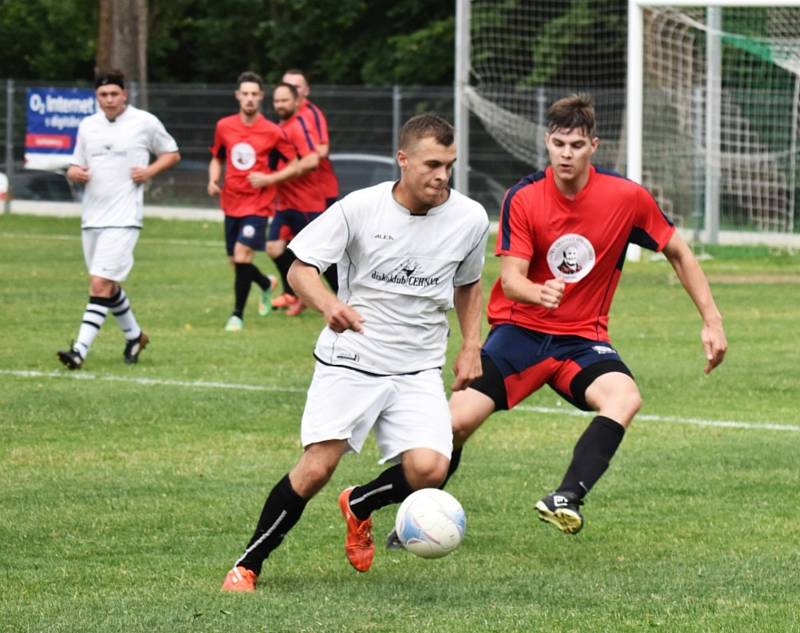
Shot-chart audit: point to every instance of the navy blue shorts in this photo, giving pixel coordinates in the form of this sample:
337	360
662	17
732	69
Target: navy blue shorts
296	221
517	361
250	230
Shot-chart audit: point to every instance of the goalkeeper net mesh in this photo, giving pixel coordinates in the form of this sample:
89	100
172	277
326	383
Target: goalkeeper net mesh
524	55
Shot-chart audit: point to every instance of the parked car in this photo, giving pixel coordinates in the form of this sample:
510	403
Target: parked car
35	184
356	171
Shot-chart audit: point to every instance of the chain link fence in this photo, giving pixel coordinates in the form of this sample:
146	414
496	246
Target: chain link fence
361	120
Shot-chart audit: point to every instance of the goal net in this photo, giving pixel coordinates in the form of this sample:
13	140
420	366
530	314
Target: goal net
728	113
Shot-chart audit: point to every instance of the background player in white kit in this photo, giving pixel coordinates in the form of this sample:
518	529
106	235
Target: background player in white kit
406	252
112	158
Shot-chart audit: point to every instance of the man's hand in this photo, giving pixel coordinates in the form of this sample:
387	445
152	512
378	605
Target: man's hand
551	293
79	174
213	189
467	367
340	317
140	175
259	179
714	344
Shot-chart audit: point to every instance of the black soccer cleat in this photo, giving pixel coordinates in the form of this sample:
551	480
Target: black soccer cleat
561	510
134	347
393	541
71	358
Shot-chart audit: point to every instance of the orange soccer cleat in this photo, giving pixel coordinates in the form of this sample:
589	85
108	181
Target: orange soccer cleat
240	579
283	301
358	544
295	309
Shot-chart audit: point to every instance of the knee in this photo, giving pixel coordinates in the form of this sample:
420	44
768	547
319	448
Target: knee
426	473
99	287
627	405
275	249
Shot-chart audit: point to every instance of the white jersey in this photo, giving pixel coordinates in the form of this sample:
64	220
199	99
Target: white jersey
109	149
398	271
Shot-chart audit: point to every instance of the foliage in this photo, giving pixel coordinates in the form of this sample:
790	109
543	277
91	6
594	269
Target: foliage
47	39
211	41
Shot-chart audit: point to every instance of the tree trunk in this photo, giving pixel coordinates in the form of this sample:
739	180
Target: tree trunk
122	43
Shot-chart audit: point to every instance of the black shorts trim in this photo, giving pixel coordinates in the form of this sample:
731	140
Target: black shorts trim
369	373
491	383
587	376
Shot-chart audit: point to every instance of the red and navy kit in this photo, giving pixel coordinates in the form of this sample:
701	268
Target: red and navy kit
249	148
301	194
582	240
328	182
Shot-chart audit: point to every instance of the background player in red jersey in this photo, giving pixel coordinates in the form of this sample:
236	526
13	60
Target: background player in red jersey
250	146
300	200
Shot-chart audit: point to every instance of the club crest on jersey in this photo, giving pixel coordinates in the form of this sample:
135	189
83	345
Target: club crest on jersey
243	156
571	257
409	273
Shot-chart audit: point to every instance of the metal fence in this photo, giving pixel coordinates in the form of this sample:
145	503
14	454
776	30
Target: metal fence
361	119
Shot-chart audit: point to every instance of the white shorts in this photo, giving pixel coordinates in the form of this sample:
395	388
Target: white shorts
109	252
407	412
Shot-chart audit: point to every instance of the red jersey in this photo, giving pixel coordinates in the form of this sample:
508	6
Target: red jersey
581	240
248	148
303	193
315	119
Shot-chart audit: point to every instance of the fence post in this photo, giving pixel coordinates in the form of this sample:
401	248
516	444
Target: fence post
397	98
9	143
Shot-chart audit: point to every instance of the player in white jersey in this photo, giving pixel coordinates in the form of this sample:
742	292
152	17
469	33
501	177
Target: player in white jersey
406	253
112	159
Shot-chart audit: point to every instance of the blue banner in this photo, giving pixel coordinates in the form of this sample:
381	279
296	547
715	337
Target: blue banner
53	116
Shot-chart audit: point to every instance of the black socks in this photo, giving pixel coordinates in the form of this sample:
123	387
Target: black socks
592	454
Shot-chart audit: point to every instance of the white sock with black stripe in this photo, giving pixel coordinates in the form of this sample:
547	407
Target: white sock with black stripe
93	318
121	309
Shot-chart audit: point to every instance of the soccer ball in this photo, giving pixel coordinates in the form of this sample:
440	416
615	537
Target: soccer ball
430	523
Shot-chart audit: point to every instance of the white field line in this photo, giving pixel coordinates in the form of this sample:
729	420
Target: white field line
191	384
150	240
724	424
202	384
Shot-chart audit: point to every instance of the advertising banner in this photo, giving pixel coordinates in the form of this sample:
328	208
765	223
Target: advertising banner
53	116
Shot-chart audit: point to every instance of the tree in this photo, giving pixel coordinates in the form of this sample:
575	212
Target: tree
122	40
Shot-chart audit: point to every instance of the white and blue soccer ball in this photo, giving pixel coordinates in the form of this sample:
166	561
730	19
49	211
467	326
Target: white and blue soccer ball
430	523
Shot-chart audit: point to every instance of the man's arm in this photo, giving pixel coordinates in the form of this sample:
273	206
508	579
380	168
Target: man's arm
306	282
214	175
468	302
517	286
163	162
323	150
261	179
696	285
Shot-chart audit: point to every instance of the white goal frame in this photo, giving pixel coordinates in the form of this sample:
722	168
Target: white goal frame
635	91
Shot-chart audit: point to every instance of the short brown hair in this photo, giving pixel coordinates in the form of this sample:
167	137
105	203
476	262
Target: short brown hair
248	76
575	112
426	125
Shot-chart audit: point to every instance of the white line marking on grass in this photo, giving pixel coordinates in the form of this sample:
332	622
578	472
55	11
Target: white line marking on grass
202	384
724	424
191	384
148	240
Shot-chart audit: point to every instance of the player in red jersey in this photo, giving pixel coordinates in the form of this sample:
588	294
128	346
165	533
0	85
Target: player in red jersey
562	240
250	146
314	117
300	200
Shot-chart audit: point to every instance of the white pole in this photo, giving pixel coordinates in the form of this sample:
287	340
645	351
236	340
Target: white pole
713	122
634	100
461	175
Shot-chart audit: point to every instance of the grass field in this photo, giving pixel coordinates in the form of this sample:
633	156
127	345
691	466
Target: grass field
127	491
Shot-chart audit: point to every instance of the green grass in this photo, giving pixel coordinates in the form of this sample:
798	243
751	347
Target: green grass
123	503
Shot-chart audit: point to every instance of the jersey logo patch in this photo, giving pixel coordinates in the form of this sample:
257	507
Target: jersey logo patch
243	156
571	257
409	273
